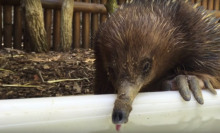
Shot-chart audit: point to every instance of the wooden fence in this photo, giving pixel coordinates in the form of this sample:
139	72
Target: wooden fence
88	14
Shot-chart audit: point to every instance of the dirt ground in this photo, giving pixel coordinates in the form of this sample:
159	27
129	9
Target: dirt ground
27	75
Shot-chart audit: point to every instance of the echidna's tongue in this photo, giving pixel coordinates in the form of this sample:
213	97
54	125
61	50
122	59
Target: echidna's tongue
118	126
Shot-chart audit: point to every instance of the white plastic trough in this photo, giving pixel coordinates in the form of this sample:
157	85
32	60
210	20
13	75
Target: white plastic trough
152	113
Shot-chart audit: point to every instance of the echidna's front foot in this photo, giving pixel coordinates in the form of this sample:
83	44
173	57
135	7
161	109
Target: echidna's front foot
185	83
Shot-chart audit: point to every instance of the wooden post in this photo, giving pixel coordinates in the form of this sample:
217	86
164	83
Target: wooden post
85	29
66	24
0	26
76	29
17	27
35	24
217	4
48	25
56	30
7	13
95	22
103	16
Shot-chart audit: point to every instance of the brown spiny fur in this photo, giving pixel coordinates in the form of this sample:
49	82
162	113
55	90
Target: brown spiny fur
174	36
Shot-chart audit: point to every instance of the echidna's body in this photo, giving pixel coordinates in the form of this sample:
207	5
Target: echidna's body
146	43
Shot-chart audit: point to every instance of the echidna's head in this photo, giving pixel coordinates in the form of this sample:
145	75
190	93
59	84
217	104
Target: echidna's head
135	47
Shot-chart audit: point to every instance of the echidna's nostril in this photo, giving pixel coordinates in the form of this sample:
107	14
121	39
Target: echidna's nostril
119	117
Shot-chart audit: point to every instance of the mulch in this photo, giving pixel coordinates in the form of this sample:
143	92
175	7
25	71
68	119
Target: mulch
28	75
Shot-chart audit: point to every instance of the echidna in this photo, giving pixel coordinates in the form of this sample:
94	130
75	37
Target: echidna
153	45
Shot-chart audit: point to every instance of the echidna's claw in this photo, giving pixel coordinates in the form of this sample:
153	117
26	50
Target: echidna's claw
185	83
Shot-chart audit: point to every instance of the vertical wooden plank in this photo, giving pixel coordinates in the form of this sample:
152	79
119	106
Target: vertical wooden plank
0	25
210	4
56	30
76	29
7	13
86	29
95	22
26	37
205	4
17	27
48	25
103	16
217	4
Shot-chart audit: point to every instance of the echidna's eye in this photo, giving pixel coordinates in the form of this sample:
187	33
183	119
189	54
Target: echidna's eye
146	67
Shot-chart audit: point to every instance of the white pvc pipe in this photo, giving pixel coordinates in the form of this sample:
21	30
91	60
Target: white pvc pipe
152	113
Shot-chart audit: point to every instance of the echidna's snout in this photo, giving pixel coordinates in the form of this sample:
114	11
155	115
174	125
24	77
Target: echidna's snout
119	117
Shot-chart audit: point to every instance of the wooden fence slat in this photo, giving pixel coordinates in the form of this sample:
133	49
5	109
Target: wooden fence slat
0	25
95	22
205	4
17	27
76	28
210	4
103	16
7	13
217	4
56	30
48	25
86	29
26	36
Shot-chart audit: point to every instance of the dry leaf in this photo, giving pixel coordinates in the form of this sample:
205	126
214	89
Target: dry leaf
77	88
